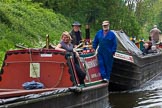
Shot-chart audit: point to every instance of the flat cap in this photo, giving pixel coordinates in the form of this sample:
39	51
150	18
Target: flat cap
105	23
76	23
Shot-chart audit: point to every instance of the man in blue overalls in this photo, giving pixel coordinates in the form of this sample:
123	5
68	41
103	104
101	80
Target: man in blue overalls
106	42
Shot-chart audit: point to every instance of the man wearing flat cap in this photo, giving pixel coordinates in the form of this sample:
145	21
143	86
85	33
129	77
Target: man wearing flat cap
76	33
106	42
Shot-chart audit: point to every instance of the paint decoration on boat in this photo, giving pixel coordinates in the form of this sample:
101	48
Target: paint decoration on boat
124	57
91	66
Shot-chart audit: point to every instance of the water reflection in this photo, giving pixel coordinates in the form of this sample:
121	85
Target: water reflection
147	96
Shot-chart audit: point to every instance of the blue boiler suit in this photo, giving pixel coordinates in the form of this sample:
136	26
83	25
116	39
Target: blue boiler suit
107	47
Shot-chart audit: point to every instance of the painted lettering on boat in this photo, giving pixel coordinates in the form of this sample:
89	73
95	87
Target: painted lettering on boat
124	57
92	63
95	75
92	68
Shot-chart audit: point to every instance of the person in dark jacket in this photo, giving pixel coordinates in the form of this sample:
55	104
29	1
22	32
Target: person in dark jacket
76	33
106	42
146	49
66	45
149	48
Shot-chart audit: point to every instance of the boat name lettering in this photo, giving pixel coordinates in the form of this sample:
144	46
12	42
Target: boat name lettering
123	57
95	75
92	63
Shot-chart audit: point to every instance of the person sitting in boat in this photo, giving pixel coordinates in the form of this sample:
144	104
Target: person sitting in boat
153	49
146	48
66	45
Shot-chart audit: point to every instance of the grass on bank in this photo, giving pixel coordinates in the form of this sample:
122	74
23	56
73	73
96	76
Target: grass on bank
27	24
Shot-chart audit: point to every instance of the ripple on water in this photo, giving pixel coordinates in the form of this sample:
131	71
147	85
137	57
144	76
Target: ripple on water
151	94
147	96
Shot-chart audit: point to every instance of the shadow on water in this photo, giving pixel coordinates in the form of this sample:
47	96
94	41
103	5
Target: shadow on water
147	96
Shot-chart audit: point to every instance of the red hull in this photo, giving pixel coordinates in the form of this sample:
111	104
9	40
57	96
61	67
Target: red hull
50	67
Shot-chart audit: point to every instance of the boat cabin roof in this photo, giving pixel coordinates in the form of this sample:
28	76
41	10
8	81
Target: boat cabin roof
125	45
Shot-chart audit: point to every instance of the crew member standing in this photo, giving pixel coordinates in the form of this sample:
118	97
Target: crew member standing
154	34
105	39
76	33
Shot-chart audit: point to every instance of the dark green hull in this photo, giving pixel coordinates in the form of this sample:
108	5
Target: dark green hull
130	75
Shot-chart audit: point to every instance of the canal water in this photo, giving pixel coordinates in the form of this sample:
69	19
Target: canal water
147	96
